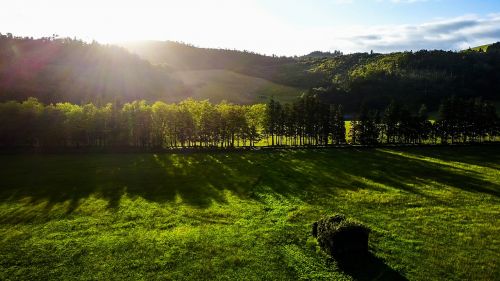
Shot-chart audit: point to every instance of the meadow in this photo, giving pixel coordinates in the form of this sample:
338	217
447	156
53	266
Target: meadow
246	215
218	85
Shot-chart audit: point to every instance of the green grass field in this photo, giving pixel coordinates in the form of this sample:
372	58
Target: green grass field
482	48
434	212
218	85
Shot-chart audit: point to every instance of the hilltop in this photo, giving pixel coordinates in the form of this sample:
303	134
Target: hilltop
495	47
482	48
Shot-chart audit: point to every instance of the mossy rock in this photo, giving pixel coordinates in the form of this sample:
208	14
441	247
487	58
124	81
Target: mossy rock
341	237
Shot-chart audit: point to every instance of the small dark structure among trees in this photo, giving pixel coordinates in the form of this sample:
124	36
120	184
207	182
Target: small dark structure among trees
341	237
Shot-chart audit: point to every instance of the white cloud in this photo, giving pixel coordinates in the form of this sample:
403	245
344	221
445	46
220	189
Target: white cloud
448	34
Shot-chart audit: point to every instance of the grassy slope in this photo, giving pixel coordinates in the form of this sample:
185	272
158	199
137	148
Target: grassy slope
482	48
218	85
247	216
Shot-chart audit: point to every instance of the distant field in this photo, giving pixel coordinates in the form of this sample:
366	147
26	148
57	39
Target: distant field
247	215
218	85
482	48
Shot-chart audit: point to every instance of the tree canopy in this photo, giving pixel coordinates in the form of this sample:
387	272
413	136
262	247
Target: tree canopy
306	122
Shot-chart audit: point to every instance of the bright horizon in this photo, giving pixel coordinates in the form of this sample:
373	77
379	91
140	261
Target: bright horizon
270	27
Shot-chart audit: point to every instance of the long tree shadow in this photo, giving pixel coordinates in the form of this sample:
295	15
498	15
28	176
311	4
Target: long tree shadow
429	169
479	155
198	179
325	172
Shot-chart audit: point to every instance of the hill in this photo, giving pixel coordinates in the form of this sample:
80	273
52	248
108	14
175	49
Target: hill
55	70
490	48
412	78
60	70
319	54
219	84
235	76
178	56
482	48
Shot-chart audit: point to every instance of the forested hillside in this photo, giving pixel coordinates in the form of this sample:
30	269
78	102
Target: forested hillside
374	79
67	70
410	77
55	70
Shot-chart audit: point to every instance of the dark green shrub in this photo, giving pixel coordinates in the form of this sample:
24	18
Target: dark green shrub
341	237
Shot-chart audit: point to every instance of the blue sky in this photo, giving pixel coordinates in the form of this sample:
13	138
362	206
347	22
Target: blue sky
373	12
282	27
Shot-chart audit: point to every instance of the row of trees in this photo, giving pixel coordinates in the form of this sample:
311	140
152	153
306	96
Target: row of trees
460	121
136	124
307	121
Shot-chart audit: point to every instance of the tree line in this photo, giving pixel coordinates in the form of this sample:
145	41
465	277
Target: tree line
136	124
308	121
459	121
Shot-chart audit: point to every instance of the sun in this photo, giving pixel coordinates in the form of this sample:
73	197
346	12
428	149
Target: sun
219	24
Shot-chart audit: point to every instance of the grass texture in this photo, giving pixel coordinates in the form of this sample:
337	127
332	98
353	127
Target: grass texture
434	214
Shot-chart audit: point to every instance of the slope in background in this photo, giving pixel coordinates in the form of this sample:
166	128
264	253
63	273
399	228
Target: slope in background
218	84
60	70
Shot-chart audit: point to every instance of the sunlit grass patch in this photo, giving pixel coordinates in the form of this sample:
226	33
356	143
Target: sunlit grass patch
247	215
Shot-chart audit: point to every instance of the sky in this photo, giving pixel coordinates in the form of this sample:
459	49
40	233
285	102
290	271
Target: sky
280	27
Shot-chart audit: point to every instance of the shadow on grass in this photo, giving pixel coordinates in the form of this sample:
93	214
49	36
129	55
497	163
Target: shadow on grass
485	156
369	267
198	179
